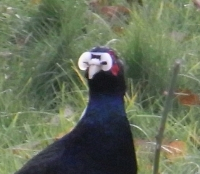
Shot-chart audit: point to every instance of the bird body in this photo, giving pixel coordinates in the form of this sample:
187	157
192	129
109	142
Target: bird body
101	142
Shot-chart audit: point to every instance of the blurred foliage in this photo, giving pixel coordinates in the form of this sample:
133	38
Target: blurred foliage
40	85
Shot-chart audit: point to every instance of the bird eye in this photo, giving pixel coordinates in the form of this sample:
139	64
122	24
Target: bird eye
83	60
106	62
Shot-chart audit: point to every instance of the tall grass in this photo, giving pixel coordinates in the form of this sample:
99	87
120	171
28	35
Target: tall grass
42	93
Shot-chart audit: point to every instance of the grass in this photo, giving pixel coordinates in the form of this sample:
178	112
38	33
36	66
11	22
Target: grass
42	93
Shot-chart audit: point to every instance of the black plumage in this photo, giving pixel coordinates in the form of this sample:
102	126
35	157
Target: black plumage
101	142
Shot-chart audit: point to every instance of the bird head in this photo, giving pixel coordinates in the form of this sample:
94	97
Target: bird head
104	70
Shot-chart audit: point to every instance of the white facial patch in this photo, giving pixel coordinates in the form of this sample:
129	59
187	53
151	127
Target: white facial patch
95	62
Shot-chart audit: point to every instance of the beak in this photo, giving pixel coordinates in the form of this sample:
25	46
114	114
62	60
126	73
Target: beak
92	70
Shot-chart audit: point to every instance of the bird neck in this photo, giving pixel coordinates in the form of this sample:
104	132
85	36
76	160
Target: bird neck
102	108
107	102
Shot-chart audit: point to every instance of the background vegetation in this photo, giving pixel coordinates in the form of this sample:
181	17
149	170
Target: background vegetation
42	93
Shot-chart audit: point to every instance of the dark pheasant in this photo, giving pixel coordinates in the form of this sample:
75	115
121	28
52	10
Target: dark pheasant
101	142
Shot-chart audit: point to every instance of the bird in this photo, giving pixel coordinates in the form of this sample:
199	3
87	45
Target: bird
102	141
